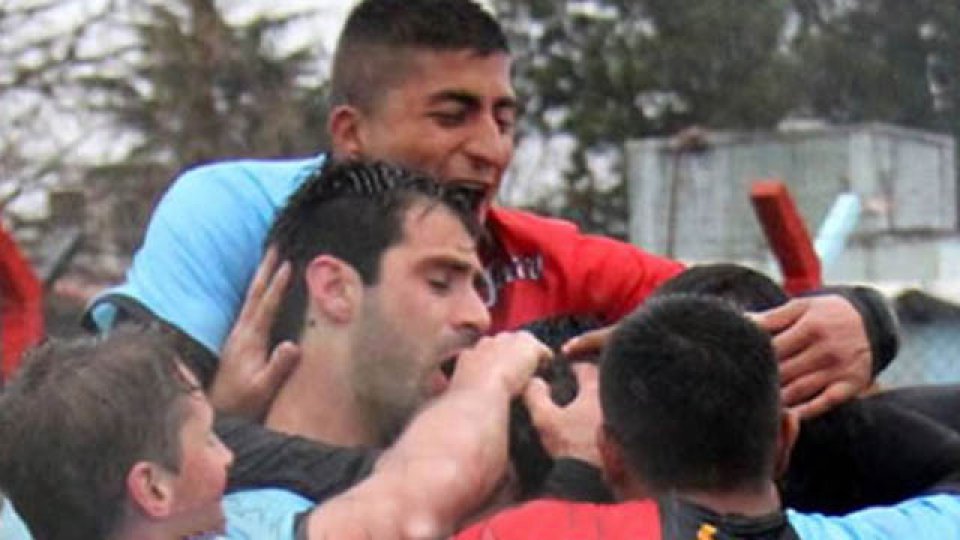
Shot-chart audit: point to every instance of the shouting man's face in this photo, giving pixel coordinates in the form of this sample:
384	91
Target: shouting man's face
452	115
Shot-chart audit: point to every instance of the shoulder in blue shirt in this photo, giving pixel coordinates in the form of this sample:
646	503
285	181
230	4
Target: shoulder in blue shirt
203	244
934	517
257	514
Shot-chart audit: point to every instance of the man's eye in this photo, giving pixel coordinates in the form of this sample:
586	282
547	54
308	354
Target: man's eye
449	119
439	285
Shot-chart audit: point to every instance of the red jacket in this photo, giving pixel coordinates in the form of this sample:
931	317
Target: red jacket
547	267
562	520
668	519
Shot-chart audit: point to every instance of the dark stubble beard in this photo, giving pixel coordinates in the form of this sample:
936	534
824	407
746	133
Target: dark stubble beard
387	375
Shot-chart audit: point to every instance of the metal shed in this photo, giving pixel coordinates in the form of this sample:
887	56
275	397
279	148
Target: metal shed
906	181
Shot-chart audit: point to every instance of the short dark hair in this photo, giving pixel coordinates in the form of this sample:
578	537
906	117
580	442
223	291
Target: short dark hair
749	289
530	459
689	388
75	419
370	55
354	210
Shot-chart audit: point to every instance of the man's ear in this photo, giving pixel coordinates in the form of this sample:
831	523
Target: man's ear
150	489
346	136
334	288
611	456
789	431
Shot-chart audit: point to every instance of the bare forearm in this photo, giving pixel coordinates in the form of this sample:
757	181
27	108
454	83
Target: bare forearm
442	469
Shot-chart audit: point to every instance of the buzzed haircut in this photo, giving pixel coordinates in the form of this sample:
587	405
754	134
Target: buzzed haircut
689	388
744	286
354	211
373	52
77	417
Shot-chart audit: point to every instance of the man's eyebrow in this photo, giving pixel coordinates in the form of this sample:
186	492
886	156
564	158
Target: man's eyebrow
469	99
459	96
450	262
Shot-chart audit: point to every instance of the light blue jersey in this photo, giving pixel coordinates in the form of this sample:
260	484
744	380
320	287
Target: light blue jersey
195	277
11	526
934	517
257	514
263	514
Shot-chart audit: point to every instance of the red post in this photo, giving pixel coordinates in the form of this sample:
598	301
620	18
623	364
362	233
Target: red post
21	305
787	236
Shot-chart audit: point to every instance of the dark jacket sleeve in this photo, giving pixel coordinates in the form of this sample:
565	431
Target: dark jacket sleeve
879	322
866	453
575	480
265	458
940	402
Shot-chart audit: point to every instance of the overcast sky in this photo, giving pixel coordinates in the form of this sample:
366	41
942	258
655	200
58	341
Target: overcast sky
329	20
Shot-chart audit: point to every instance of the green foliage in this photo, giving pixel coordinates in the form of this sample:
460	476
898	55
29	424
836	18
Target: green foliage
194	89
885	60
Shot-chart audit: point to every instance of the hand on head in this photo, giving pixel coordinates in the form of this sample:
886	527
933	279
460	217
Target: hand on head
250	374
507	360
823	350
568	431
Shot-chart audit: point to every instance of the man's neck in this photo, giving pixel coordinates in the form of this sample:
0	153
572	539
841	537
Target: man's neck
315	402
748	503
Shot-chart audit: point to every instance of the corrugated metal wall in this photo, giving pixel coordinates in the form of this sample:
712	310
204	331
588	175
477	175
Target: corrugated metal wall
906	180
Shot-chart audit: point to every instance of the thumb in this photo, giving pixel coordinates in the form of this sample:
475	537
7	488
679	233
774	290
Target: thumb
591	342
537	399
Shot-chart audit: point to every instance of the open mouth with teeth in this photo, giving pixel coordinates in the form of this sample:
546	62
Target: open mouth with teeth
472	192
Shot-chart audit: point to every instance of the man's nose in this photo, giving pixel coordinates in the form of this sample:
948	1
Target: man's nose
489	146
472	313
227	454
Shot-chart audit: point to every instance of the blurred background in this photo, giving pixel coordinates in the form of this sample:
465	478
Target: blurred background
648	120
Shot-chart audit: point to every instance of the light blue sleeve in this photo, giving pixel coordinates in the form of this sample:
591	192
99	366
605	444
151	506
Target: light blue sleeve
260	514
263	514
11	526
203	244
934	517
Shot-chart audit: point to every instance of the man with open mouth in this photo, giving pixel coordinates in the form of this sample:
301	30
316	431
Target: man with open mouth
427	84
381	311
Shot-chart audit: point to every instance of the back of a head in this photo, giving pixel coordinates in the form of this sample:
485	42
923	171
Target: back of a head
749	289
76	418
354	211
369	57
689	388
